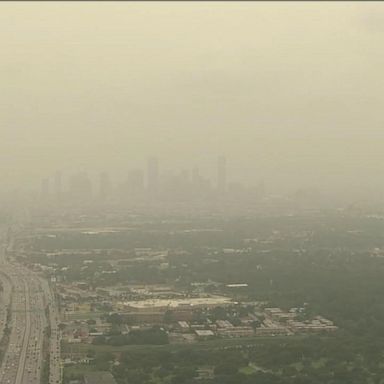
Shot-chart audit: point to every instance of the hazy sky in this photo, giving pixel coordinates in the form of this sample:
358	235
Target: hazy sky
289	92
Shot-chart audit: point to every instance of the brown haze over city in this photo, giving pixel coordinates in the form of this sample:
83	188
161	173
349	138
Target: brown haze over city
290	93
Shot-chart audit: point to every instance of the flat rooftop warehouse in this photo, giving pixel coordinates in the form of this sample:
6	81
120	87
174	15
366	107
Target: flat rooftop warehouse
179	303
99	378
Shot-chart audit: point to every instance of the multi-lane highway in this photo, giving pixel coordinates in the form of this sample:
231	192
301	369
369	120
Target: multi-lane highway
5	298
28	295
55	371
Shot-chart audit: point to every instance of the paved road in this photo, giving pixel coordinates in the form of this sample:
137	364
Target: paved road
5	300
55	371
26	335
22	362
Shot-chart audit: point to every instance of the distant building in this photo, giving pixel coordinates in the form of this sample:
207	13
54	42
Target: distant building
58	185
183	326
244	331
221	174
204	334
80	187
105	185
45	188
153	175
240	285
135	182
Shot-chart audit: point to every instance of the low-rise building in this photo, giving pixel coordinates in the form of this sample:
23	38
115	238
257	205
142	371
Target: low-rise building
236	332
204	333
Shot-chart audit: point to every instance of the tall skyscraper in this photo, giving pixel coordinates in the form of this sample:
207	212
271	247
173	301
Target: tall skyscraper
221	174
80	187
153	175
58	185
45	188
135	181
105	185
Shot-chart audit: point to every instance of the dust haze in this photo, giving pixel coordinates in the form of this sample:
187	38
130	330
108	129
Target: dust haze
290	94
191	192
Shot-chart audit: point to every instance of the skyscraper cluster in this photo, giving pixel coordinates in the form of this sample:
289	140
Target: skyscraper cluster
150	185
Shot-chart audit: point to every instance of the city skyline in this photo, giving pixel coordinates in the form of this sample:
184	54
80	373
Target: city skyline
191	192
151	179
287	99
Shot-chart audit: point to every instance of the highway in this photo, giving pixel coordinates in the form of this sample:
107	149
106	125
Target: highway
55	371
5	298
28	295
26	336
